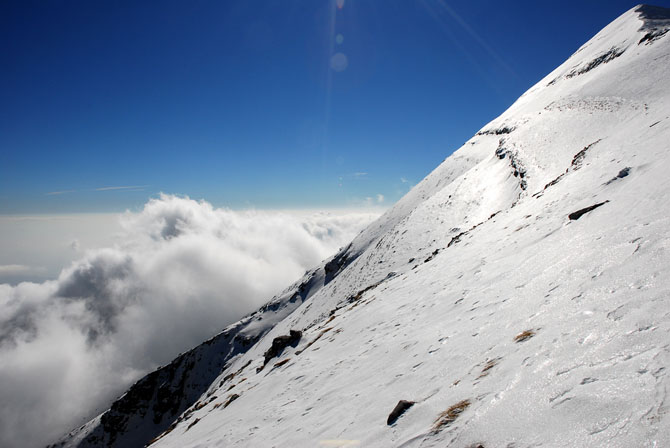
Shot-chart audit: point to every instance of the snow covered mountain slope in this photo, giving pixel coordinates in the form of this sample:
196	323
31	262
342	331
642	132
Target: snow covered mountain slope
518	296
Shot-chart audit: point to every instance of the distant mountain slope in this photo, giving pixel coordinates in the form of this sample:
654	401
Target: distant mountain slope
518	296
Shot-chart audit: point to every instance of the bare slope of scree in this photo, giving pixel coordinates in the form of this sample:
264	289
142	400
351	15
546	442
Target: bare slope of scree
519	295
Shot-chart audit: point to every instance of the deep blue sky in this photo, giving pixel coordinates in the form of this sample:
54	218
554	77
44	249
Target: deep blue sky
236	102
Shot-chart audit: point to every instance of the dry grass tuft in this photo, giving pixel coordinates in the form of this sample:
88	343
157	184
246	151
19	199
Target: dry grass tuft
230	399
491	363
524	336
450	415
199	405
192	424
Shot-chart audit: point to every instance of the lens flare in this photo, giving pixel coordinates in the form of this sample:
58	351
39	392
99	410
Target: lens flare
339	62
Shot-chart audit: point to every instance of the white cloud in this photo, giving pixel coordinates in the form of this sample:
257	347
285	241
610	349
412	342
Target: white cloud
403	180
380	198
183	271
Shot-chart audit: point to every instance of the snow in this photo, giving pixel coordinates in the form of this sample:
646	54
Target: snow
478	296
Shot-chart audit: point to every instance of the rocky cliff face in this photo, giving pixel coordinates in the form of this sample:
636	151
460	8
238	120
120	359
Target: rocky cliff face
154	404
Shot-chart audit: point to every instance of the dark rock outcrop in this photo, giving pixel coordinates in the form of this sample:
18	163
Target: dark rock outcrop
280	343
623	173
398	411
579	213
604	58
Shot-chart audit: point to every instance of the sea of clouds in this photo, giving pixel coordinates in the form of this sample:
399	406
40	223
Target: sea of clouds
182	271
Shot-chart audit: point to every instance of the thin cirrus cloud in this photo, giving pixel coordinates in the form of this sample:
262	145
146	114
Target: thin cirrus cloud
15	269
56	193
181	271
111	188
124	187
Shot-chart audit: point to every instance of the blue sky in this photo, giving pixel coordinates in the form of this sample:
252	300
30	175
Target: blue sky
103	104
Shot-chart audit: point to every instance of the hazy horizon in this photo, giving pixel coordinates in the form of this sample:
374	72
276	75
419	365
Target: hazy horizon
37	247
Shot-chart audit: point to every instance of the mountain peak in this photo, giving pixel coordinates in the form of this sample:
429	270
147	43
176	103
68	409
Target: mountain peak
655	19
650	12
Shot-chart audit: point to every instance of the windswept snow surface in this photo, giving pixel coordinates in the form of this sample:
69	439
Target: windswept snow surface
478	298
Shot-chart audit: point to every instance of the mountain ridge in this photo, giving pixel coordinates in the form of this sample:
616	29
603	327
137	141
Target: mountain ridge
476	232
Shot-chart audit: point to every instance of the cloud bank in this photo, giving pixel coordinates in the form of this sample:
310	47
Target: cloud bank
183	272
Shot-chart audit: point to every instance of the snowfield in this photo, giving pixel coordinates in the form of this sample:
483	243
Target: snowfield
494	297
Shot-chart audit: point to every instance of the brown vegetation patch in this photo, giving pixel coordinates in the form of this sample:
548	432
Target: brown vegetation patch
192	424
449	416
524	336
199	405
230	399
491	363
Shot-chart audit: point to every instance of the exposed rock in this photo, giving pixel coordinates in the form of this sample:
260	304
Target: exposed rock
623	173
456	239
604	58
578	158
398	411
499	131
431	256
518	169
280	343
652	36
650	12
578	214
337	263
